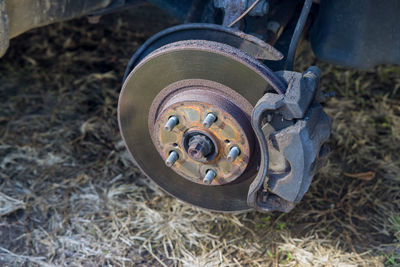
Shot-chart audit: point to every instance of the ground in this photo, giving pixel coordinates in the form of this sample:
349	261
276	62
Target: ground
69	194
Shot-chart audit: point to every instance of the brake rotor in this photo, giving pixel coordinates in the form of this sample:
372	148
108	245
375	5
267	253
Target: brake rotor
163	108
209	32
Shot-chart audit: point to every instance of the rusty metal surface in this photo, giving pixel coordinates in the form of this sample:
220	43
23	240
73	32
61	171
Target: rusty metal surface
190	101
246	80
210	32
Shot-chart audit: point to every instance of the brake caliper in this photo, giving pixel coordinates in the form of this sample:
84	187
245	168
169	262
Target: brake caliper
291	129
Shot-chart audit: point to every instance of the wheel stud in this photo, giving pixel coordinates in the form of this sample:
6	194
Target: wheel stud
171	123
233	153
209	120
172	158
209	177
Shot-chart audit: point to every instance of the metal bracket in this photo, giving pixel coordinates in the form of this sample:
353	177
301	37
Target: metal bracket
232	10
291	142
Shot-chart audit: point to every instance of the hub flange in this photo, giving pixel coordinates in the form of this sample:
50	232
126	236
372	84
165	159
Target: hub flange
210	126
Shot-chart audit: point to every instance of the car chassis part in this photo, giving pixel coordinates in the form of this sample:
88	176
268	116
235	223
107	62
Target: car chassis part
228	133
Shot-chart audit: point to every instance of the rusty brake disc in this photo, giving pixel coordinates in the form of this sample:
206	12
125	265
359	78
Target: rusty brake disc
209	32
181	84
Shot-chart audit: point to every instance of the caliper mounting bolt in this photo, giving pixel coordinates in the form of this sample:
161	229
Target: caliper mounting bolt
171	123
209	120
233	153
209	177
172	158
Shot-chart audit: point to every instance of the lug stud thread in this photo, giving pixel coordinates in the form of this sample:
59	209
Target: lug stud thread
171	123
209	120
172	158
209	177
233	153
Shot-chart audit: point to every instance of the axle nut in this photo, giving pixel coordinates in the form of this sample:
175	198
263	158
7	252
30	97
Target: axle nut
200	146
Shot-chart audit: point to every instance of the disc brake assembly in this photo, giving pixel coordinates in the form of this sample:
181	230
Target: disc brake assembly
212	125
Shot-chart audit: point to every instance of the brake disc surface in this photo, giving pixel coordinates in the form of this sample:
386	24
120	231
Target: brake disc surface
246	79
209	32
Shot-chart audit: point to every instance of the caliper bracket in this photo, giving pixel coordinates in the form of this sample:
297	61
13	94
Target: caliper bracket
291	129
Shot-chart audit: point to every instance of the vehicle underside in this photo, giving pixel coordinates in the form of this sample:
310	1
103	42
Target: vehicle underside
212	109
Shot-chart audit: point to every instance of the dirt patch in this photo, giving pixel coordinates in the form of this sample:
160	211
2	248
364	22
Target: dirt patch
73	196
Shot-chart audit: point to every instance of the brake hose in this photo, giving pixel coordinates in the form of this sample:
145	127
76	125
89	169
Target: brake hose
297	34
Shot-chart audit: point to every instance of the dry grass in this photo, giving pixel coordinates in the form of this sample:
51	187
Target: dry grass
69	194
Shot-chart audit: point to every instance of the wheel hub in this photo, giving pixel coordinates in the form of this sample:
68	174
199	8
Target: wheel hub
206	131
